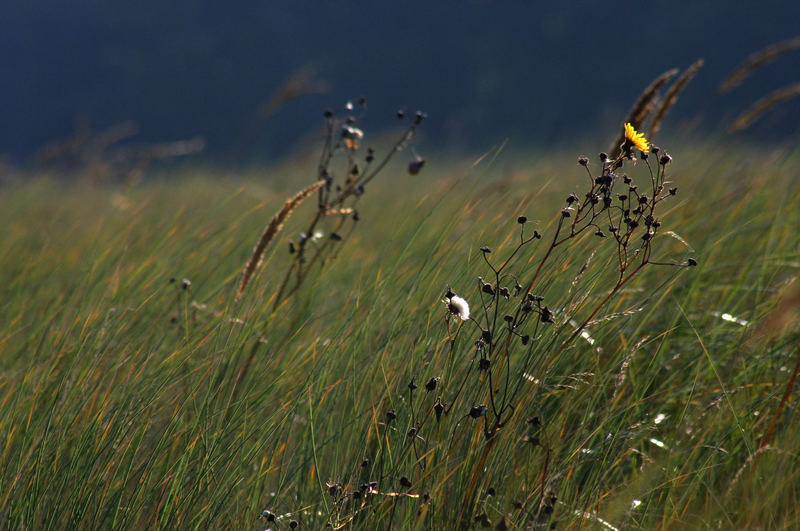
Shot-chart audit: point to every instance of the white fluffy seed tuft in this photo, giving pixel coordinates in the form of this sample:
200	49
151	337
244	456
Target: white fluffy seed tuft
457	306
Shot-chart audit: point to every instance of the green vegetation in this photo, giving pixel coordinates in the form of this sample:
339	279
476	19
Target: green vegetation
130	401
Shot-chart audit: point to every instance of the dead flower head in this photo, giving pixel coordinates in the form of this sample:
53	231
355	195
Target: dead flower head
457	306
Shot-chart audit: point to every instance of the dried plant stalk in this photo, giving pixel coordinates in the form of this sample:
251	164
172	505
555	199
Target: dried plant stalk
273	228
642	108
763	105
672	96
760	58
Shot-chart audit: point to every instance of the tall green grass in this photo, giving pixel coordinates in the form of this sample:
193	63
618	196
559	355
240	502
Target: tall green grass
117	386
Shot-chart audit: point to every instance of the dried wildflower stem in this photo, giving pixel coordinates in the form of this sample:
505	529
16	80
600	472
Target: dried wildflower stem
642	108
578	329
760	58
763	105
671	97
299	269
583	218
273	228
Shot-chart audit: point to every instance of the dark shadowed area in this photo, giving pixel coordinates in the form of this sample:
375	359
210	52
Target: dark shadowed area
251	78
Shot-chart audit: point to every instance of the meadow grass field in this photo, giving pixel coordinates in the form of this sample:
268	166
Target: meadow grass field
138	390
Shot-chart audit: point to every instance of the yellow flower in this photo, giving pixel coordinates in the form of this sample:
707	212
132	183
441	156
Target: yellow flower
636	138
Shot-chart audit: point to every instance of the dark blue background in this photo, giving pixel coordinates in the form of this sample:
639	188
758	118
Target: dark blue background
533	71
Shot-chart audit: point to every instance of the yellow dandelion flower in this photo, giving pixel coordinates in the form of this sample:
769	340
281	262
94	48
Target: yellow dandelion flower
636	138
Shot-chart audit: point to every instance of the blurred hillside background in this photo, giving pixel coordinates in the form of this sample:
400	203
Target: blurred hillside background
533	72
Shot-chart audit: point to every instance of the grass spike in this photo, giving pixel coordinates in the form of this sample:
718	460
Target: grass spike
755	60
755	111
273	228
642	108
672	96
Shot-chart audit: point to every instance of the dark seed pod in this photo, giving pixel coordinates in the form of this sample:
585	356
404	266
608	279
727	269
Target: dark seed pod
431	384
415	166
477	411
438	408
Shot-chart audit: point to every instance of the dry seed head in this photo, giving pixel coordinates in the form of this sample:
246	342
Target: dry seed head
756	110
438	408
643	107
431	385
759	58
273	228
415	166
672	96
457	306
477	411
